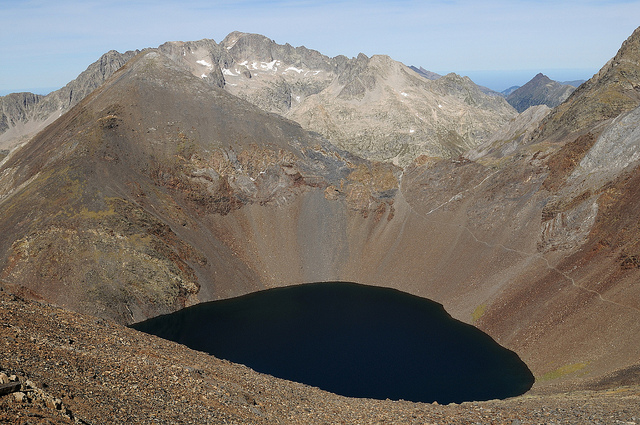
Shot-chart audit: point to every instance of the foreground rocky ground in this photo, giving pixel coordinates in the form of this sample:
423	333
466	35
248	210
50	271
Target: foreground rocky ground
81	369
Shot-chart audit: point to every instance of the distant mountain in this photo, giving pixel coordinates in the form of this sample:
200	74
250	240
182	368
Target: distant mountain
489	92
426	74
541	90
510	90
375	107
574	83
434	76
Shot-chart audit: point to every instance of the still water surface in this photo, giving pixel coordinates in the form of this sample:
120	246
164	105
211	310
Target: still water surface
353	340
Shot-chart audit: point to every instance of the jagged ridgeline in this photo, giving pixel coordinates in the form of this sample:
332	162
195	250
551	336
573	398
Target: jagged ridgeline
174	183
375	107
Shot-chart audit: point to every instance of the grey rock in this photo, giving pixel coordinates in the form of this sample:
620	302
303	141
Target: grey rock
360	104
617	149
15	108
512	135
20	397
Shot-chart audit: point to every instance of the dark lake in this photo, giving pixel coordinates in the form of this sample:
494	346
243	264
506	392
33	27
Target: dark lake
352	340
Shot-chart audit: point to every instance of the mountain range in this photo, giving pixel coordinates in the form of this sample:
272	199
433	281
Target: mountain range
198	171
375	107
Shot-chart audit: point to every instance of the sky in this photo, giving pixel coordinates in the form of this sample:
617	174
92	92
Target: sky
498	43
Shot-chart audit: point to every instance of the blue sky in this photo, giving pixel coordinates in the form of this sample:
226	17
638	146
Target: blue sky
498	43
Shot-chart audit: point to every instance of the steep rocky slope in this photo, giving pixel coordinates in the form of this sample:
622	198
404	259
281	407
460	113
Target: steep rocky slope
398	116
15	108
541	90
18	119
22	115
429	75
587	202
511	136
612	91
108	210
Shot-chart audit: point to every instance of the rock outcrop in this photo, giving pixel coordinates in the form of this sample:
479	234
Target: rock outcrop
511	136
16	108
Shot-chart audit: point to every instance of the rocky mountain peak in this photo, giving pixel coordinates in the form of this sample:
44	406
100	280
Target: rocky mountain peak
255	46
203	58
302	83
249	48
613	90
231	39
540	77
24	115
630	48
91	78
540	90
